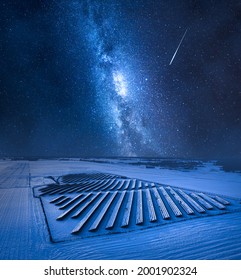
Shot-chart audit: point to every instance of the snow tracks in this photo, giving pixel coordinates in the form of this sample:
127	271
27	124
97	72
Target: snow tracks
14	211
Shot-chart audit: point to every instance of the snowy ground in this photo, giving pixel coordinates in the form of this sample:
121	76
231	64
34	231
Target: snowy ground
24	233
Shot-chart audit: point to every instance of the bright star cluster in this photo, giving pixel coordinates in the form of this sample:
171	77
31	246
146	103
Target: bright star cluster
120	84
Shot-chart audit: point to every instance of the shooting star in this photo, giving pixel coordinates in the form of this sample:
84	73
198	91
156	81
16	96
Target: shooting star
178	46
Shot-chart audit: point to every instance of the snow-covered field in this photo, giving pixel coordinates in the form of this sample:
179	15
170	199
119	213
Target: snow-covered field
25	230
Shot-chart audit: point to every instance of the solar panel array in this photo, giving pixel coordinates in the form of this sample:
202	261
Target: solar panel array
97	203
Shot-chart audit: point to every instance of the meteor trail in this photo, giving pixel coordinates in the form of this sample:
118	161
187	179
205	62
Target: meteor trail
178	47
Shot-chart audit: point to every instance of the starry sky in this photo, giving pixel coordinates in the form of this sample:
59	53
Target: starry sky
91	78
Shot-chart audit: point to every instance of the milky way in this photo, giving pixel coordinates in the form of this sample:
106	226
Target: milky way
122	107
93	78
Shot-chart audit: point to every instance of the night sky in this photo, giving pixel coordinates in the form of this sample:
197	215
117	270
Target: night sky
120	78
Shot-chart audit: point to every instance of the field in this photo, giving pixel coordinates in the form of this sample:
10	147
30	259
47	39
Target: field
119	209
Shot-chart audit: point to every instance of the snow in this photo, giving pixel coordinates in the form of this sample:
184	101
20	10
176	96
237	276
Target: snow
24	230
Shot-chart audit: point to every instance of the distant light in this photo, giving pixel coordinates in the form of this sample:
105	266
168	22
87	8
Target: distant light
120	84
